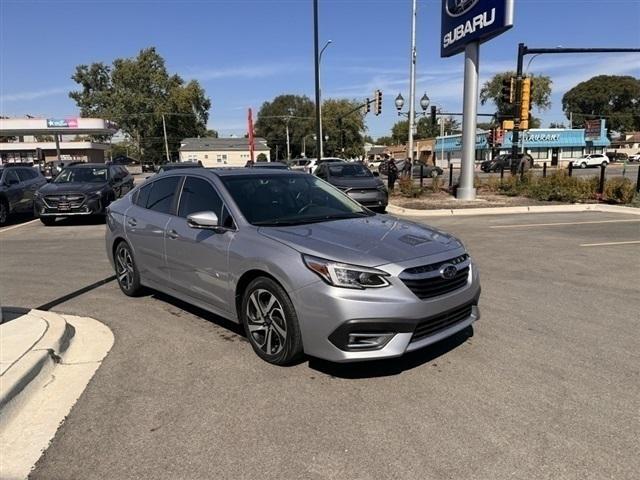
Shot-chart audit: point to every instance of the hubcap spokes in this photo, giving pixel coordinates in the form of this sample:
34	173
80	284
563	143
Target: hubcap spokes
124	268
266	322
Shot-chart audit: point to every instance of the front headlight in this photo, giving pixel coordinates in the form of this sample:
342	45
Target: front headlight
345	275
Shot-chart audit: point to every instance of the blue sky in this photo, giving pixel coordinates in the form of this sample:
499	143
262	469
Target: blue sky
247	51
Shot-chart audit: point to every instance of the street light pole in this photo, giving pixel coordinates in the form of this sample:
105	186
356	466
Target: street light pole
166	143
412	83
316	52
320	96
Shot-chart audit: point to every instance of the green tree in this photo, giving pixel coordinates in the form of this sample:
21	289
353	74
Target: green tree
211	134
424	129
136	93
616	98
345	130
261	157
491	91
271	124
385	140
557	125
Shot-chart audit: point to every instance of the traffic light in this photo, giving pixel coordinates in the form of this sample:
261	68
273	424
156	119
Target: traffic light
525	105
491	137
508	90
507	125
434	111
367	107
377	96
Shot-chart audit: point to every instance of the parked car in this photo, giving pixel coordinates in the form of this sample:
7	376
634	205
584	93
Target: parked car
270	165
374	165
83	189
309	165
634	158
148	166
167	167
300	265
421	168
617	156
18	185
505	161
356	181
591	160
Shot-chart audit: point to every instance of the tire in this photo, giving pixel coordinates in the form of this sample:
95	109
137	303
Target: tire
4	212
48	221
604	164
270	322
583	165
127	274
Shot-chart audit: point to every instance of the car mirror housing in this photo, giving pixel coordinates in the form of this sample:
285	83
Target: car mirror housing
204	220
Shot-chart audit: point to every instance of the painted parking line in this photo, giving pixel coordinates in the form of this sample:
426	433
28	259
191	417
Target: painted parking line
565	223
6	229
608	244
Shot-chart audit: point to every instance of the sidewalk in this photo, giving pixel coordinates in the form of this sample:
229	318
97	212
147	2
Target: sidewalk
46	362
568	208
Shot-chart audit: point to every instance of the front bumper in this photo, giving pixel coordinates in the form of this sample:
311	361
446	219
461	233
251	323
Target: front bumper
374	199
90	206
328	315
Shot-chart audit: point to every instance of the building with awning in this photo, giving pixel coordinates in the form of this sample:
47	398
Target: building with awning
38	140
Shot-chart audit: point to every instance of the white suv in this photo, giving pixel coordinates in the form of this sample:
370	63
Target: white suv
592	160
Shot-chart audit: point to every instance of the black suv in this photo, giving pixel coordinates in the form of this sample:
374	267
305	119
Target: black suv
18	185
82	189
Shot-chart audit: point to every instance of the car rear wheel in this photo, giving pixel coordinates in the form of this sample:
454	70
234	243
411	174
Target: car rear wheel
583	165
270	322
604	164
126	271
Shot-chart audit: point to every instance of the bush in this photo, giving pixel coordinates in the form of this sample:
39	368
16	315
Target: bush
408	188
619	190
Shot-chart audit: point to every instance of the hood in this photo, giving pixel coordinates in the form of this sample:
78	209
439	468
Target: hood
369	242
356	182
60	188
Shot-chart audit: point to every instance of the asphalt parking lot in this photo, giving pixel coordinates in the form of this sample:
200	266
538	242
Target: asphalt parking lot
546	386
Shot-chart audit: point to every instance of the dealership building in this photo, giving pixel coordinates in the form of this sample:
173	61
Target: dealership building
556	146
39	140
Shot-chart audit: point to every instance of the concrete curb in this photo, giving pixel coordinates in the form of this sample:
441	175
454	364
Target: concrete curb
586	207
25	372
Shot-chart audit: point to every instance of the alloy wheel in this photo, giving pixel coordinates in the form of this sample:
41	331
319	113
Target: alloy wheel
124	268
266	322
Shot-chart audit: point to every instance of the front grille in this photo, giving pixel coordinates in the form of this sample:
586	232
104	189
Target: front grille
66	202
426	282
445	320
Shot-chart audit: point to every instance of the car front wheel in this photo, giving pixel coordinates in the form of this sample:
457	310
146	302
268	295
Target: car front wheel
270	322
583	165
126	271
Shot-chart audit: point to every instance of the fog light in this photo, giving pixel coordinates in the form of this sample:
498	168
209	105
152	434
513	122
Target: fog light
365	341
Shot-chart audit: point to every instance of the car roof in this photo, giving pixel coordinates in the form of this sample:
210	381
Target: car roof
87	165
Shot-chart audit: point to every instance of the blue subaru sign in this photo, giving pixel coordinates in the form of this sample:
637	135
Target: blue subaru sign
466	21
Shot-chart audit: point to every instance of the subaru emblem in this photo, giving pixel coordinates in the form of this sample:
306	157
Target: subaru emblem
455	8
448	271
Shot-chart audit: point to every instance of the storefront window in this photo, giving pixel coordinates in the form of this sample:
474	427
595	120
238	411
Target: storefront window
539	153
572	152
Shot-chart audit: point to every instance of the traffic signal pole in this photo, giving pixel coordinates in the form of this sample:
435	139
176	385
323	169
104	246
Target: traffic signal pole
524	50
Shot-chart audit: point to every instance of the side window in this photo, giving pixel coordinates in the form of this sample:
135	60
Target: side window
162	194
24	174
198	196
143	196
11	177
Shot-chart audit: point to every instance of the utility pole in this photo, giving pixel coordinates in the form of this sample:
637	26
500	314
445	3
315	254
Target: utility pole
288	144
469	121
316	52
166	143
412	83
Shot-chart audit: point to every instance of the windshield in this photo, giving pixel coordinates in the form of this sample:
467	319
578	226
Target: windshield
83	175
290	200
350	170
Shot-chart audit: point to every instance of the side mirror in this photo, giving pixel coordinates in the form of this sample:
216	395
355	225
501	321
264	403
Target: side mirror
204	220
376	174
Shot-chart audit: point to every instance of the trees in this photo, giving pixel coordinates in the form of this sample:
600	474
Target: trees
557	125
385	140
298	111
614	97
135	93
540	94
424	129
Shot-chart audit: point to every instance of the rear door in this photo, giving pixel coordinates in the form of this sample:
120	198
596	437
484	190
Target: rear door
29	185
146	223
198	260
13	190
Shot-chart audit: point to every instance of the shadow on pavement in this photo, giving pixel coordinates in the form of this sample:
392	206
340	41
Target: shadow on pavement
17	219
79	220
394	366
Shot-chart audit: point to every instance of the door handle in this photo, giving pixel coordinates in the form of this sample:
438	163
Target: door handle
172	234
132	222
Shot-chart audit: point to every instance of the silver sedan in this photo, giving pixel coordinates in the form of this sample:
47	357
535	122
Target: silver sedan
304	268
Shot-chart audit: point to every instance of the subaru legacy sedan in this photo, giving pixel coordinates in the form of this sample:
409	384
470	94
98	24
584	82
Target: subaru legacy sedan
302	266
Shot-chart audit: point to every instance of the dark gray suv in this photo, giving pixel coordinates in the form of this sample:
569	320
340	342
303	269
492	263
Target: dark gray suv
18	185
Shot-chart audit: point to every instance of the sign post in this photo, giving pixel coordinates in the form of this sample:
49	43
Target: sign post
465	25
